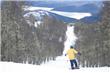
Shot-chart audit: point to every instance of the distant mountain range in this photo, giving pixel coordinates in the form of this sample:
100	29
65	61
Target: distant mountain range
56	4
39	14
92	8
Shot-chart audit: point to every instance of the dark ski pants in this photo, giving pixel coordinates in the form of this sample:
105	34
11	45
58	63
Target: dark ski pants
73	62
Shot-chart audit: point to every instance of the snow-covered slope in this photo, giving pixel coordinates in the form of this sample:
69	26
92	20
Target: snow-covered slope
9	67
35	18
71	38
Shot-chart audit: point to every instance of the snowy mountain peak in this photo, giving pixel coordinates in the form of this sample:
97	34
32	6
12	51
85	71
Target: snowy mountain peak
35	17
36	13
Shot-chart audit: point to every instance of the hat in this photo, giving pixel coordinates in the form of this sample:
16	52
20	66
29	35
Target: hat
71	46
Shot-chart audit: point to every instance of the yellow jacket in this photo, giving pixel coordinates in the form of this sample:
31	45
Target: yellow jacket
72	53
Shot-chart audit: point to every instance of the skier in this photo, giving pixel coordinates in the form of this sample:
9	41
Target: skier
71	53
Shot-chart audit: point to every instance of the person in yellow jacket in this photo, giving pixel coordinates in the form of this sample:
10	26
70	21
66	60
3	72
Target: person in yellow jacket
71	53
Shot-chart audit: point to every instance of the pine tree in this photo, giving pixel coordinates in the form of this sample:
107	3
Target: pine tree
23	43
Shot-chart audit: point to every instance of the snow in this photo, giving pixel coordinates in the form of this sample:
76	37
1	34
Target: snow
37	23
71	38
31	8
76	15
36	14
9	67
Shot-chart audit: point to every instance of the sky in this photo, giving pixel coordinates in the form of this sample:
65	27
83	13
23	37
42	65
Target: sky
65	0
52	0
